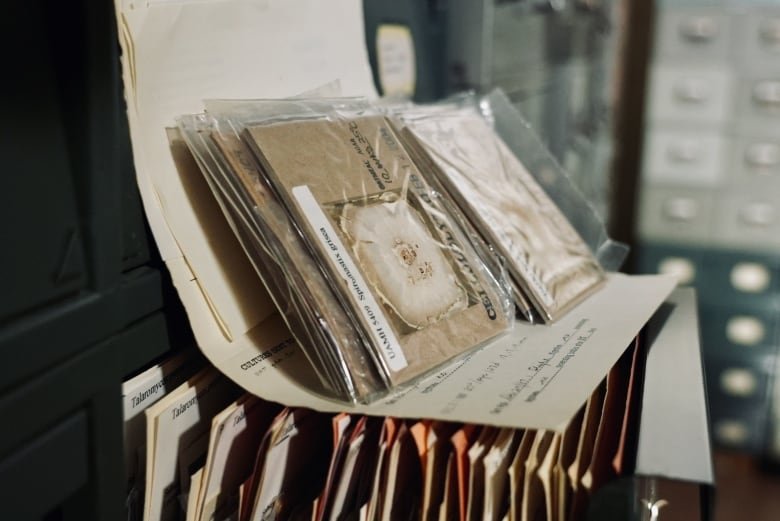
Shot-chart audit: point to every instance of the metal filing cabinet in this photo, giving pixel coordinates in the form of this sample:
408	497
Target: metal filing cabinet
709	204
84	302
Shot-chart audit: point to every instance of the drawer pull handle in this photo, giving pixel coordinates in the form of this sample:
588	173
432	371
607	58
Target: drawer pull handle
691	91
683	269
681	209
750	277
769	33
684	152
700	29
758	214
762	155
733	432
745	330
767	93
738	382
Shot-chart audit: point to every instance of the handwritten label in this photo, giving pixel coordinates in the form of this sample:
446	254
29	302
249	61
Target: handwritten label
396	60
528	383
342	263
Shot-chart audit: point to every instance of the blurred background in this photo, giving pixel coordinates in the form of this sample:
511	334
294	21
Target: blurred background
666	114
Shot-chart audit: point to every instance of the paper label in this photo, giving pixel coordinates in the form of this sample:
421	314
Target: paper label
359	290
395	57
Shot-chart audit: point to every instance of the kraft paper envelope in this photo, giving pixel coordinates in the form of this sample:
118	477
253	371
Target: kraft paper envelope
449	503
476	484
176	54
173	423
403	467
352	490
390	427
195	481
545	474
253	483
516	473
341	426
634	397
461	442
607	439
235	436
437	454
566	455
296	459
496	463
533	488
588	429
138	393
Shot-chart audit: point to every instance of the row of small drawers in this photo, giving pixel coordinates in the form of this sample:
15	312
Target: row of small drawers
736	218
708	159
694	95
718	34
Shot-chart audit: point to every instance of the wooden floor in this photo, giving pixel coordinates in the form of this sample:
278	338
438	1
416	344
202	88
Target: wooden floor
745	491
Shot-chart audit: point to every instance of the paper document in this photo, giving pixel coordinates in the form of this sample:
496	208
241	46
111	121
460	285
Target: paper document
175	55
538	376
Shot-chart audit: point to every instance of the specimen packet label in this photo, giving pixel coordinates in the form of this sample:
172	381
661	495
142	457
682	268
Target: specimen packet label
338	256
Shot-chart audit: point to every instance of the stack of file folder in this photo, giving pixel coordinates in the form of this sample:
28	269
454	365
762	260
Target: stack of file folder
212	452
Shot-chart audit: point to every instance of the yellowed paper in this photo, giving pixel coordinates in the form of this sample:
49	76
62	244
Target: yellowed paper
175	55
536	377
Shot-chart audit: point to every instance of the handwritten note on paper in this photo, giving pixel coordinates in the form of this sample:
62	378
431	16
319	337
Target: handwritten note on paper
535	377
539	375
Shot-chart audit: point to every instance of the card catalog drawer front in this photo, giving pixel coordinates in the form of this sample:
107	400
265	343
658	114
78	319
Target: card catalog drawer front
757	161
747	220
683	263
691	94
675	214
700	34
685	158
759	105
761	44
54	465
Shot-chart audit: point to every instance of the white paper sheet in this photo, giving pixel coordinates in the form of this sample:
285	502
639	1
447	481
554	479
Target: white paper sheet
177	54
536	377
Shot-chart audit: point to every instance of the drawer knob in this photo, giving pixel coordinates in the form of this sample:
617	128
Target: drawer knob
682	268
750	277
681	209
769	33
734	432
738	382
762	155
684	151
767	93
691	90
745	330
757	214
699	29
